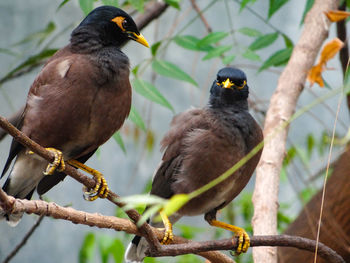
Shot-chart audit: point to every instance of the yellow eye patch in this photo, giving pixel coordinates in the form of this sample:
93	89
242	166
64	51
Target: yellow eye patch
119	21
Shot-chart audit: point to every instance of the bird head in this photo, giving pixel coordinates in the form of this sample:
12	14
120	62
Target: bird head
229	86
112	26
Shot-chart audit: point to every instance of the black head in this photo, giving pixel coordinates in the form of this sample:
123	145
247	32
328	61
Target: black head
229	87
111	25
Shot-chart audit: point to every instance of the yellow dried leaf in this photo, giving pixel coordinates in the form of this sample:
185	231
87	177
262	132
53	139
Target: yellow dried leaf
315	75
330	50
336	15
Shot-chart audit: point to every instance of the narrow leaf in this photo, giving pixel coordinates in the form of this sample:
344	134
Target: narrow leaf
173	3
86	6
263	41
119	140
217	51
227	60
138	4
62	4
117	250
136	118
86	252
244	3
278	58
287	41
275	5
251	55
175	203
191	43
250	32
111	2
40	36
154	48
148	213
149	91
212	38
172	71
308	5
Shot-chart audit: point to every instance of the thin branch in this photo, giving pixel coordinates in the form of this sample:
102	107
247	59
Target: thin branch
24	240
201	16
80	177
180	246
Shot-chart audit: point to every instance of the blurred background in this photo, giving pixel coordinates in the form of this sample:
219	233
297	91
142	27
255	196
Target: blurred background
34	28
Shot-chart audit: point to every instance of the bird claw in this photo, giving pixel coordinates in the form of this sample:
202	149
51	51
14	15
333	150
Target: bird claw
243	242
168	237
58	164
101	188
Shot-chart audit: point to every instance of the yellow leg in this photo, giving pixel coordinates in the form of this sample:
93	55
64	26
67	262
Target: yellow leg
168	234
58	163
101	187
243	237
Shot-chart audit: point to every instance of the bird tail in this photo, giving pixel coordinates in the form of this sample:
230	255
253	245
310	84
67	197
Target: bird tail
136	250
22	181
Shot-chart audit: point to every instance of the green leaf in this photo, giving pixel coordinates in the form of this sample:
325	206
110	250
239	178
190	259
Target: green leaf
174	3
8	52
136	118
308	5
217	51
249	54
310	144
188	258
212	38
287	41
154	48
172	71
86	6
86	252
148	213
117	250
191	43
227	60
250	32
278	58
138	4
244	3
134	201
111	2
149	91
62	4
40	36
175	203
275	5
30	62
104	243
263	41
119	140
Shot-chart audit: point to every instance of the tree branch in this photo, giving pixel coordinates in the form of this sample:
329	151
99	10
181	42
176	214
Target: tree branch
282	106
181	246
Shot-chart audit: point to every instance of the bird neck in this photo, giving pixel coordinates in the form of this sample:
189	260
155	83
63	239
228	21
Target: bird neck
86	39
223	102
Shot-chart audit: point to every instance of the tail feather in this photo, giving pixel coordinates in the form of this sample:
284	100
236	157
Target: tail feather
136	250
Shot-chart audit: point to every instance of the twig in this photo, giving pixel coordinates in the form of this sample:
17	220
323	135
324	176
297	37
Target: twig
24	240
181	246
80	177
200	13
283	103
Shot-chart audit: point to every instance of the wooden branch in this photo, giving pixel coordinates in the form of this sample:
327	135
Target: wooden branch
282	106
181	246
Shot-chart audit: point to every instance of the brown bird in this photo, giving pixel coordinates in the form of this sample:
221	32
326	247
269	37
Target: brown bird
201	145
77	102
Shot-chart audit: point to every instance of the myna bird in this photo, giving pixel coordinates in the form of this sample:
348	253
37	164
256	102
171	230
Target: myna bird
201	145
81	97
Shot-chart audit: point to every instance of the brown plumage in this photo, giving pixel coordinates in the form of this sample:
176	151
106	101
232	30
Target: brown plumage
78	100
200	146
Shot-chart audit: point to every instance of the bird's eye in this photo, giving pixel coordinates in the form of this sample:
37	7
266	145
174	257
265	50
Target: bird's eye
125	23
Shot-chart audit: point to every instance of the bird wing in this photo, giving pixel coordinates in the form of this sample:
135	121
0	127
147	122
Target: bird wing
172	144
16	147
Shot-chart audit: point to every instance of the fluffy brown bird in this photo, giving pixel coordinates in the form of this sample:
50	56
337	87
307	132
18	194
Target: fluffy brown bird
77	102
201	145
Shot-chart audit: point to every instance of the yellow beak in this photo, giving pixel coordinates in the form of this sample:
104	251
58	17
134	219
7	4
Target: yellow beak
227	84
139	38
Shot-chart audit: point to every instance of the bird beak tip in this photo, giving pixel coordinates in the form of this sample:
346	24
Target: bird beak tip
142	40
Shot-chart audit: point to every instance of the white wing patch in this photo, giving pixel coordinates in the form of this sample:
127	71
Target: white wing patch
63	67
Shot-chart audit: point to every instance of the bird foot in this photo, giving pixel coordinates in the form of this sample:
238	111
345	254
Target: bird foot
168	234
243	241
101	188
58	164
